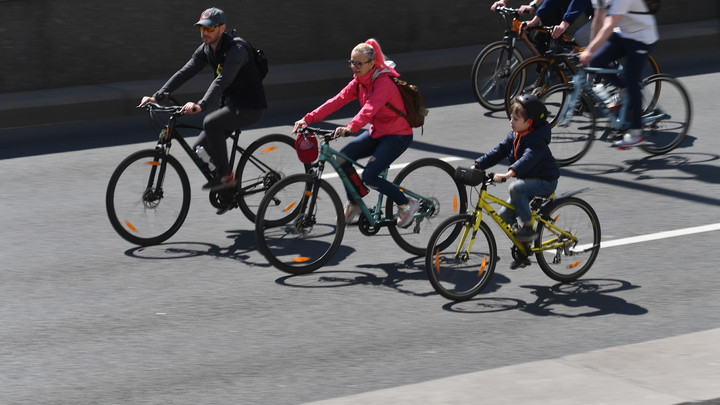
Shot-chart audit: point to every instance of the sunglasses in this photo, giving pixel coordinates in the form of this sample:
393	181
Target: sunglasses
209	29
358	65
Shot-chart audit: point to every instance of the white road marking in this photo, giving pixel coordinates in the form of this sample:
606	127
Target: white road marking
660	235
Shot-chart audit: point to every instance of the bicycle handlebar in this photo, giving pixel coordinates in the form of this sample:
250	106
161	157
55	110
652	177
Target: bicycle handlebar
327	134
155	107
507	11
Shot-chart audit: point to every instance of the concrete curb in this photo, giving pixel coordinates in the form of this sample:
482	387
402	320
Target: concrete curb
287	82
668	371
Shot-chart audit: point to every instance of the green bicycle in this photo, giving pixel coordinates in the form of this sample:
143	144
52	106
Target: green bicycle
567	245
300	222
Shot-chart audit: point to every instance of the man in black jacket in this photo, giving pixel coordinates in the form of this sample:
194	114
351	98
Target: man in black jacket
237	85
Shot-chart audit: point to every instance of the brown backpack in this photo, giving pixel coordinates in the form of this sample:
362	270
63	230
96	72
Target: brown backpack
414	104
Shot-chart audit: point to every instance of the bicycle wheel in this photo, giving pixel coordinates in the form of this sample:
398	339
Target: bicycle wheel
536	76
669	111
571	141
490	74
148	197
434	180
454	272
577	217
299	231
266	161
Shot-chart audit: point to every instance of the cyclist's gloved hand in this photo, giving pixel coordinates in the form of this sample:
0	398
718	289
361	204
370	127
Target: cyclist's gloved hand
342	131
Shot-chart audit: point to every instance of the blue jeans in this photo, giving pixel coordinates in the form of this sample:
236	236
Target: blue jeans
521	191
383	152
635	54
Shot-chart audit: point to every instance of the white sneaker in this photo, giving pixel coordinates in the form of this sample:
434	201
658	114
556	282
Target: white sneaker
351	211
406	213
629	140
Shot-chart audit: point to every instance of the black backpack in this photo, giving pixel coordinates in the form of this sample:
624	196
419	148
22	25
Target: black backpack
258	55
652	5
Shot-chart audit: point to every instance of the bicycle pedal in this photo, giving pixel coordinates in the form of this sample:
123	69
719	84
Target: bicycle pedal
623	147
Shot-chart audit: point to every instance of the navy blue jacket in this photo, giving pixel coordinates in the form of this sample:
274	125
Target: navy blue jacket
534	161
553	12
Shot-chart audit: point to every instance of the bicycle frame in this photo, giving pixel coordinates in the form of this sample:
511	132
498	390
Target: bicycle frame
582	84
484	203
170	132
374	217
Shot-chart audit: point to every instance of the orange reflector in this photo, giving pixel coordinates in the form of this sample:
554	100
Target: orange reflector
309	194
455	204
556	218
290	206
482	266
270	149
301	259
129	225
437	261
573	265
152	163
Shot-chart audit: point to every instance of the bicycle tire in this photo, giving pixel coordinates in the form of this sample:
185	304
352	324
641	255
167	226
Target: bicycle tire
489	88
672	100
139	212
453	272
577	217
534	75
434	180
569	143
291	239
266	161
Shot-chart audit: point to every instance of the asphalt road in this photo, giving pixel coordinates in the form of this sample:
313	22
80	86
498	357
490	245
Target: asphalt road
87	318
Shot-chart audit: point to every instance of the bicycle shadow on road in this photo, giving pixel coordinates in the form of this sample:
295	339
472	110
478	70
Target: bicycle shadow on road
243	249
407	278
582	298
692	166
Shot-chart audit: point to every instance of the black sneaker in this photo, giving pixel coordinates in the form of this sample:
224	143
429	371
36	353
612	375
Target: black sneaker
526	234
224	209
219	183
515	264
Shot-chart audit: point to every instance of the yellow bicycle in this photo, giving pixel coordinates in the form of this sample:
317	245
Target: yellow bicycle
568	240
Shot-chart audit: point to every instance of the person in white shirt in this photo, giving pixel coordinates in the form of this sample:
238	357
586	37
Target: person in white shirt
623	28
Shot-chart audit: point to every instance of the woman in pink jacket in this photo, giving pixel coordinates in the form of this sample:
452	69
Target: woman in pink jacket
389	134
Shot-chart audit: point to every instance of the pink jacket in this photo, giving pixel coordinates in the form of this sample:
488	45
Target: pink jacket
373	90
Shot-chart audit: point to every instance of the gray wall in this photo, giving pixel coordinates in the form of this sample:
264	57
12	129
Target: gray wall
58	43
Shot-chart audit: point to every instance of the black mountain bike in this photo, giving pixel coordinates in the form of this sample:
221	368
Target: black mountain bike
148	196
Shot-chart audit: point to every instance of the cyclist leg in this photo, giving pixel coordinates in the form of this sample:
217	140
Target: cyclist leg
215	128
522	190
608	53
389	148
635	61
362	146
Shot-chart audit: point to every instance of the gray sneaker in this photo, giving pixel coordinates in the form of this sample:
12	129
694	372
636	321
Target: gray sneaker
407	212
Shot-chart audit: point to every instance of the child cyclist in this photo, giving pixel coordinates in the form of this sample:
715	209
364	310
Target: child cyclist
531	162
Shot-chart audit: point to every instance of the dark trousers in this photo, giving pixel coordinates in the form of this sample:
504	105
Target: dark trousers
217	125
384	151
635	54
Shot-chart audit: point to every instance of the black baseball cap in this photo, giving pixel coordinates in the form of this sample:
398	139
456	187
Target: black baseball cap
211	17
